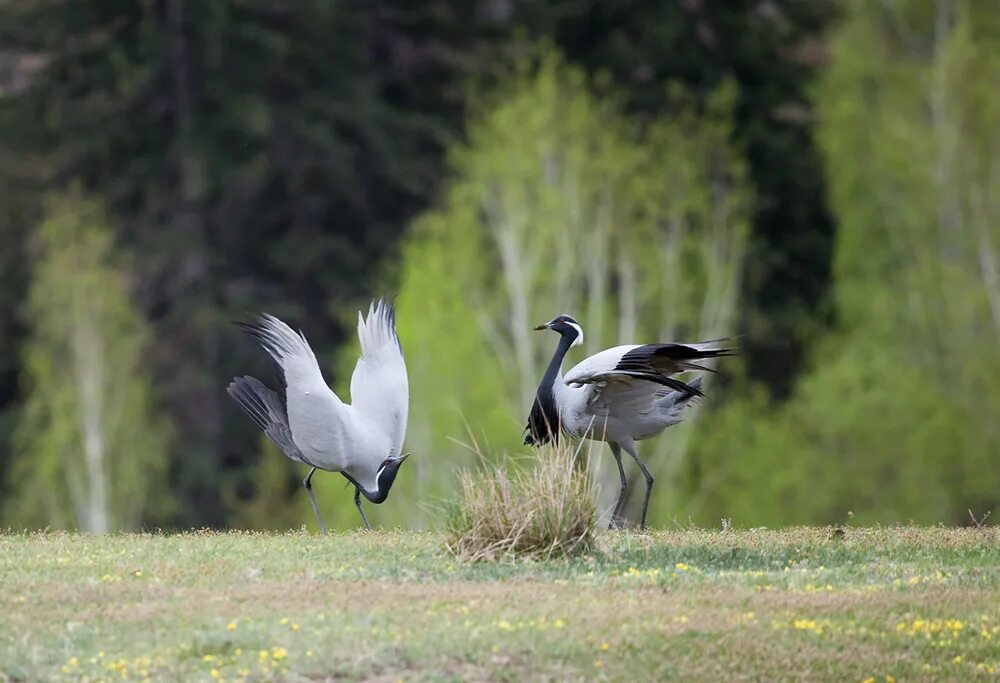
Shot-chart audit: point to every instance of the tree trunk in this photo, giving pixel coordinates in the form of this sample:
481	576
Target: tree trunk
89	366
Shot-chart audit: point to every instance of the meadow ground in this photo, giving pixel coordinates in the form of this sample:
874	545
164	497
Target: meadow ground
800	604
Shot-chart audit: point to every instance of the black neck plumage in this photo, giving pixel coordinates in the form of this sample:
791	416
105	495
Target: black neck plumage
377	496
543	423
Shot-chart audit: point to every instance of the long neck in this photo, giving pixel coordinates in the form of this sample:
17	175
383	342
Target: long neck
374	495
555	367
544	419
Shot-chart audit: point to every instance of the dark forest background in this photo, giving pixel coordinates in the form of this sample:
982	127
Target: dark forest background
248	155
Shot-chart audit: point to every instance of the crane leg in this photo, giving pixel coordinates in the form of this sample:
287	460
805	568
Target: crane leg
649	482
357	501
307	482
617	521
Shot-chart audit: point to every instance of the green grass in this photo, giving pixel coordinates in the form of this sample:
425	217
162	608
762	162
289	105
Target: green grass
800	604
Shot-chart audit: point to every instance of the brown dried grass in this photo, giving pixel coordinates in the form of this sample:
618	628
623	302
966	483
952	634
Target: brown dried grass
540	511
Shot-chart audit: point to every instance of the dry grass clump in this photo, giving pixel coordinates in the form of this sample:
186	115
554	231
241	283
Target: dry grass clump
544	510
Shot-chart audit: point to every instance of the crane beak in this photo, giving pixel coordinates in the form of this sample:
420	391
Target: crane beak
542	327
403	457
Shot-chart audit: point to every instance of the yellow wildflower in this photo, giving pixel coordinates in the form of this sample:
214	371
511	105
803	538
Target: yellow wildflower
231	626
808	625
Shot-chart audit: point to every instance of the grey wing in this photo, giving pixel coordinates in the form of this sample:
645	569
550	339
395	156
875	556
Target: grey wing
645	407
266	408
379	386
321	426
673	403
622	398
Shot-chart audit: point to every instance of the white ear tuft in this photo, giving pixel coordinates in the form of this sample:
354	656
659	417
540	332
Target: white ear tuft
579	334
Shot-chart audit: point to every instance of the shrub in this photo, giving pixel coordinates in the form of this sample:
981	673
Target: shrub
544	510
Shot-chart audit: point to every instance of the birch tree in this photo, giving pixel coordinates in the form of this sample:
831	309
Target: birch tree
910	137
559	203
91	454
896	418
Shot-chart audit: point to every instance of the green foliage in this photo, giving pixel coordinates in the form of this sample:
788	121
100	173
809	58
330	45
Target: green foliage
90	451
258	155
252	156
775	50
277	497
859	434
559	203
912	151
896	420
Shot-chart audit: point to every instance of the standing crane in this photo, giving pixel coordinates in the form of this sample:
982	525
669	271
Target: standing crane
620	395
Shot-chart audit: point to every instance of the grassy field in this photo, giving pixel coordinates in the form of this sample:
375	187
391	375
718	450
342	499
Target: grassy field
802	604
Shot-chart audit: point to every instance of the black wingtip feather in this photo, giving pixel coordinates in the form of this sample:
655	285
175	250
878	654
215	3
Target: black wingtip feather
678	385
255	329
694	391
657	362
249	401
258	332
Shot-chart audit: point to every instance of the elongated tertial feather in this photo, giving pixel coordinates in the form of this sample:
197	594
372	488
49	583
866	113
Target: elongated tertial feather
379	329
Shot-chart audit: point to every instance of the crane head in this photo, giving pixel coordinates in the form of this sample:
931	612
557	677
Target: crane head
566	326
385	477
